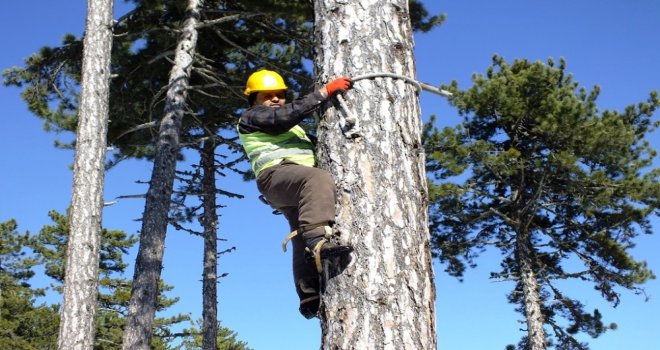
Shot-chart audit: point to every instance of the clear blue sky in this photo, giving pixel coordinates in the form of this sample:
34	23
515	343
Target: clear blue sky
614	44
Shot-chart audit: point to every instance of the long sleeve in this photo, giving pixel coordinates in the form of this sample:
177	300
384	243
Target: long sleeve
278	120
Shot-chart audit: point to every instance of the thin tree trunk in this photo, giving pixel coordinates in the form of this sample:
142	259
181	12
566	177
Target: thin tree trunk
385	298
143	302
210	273
82	263
530	290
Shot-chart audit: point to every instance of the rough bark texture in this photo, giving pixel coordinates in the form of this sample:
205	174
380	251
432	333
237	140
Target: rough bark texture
530	290
143	302
82	265
210	271
385	298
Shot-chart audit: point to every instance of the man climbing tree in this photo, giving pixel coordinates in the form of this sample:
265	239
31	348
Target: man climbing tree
371	145
282	158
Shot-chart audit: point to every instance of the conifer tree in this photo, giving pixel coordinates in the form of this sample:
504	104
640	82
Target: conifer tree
226	338
547	178
81	283
385	297
23	325
50	245
148	265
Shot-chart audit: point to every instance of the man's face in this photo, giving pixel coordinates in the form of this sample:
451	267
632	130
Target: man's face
271	98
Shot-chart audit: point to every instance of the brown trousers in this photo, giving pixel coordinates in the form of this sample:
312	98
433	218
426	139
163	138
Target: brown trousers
306	196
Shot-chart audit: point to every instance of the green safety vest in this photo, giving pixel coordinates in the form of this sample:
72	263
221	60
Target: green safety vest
265	150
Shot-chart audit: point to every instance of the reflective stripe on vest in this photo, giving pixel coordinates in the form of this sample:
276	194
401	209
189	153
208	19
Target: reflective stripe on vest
265	150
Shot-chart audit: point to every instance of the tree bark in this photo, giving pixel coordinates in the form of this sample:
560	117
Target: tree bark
210	270
385	298
143	303
530	290
82	263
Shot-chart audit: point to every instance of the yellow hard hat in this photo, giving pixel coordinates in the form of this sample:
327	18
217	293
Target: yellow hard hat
264	80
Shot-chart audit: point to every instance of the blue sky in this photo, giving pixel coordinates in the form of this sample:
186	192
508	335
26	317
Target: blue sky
613	44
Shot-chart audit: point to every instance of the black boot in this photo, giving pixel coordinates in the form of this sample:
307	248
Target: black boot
306	280
310	299
309	307
320	245
328	249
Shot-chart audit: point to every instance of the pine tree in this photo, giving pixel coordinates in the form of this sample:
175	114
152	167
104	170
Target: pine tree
81	283
49	246
385	298
148	265
23	325
226	339
548	179
199	185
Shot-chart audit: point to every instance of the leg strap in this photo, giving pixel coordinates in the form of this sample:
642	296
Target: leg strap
307	300
305	229
309	307
306	288
316	250
288	238
316	253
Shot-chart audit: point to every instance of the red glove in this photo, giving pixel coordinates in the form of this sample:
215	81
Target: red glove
340	84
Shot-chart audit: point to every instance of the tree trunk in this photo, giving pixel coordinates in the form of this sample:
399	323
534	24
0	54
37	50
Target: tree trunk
143	302
385	298
82	263
530	290
210	271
